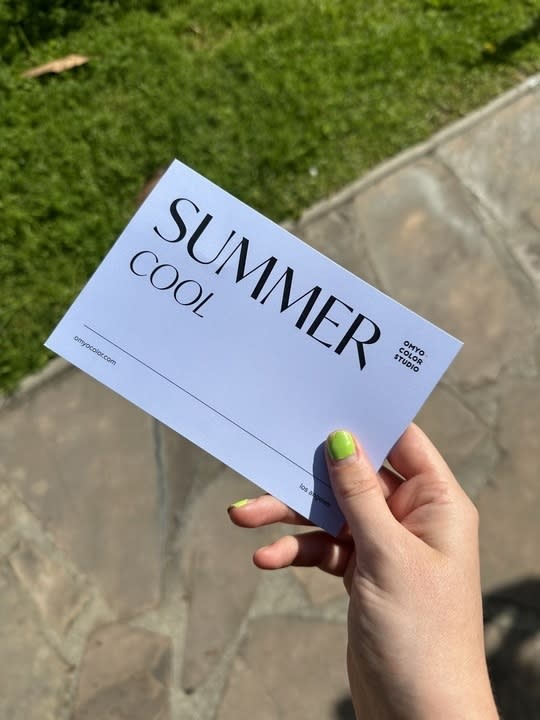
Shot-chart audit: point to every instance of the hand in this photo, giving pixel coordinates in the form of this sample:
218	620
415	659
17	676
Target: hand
409	559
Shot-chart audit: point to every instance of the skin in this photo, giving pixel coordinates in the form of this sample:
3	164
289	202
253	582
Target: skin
410	563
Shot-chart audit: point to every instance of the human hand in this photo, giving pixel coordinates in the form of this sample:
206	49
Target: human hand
409	559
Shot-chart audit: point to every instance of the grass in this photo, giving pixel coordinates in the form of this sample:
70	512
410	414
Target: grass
281	102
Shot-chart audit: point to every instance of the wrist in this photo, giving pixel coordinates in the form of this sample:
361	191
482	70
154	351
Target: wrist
475	702
450	698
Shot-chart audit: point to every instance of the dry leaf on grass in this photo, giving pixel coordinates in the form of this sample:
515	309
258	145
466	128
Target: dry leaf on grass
57	66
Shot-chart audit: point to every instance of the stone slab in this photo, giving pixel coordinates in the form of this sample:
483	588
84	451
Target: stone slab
219	576
339	237
513	652
125	675
533	214
8	521
490	158
320	587
83	460
462	437
58	593
34	681
524	242
289	668
509	506
187	470
429	248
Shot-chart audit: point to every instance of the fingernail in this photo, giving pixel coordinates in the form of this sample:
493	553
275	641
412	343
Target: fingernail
340	445
238	504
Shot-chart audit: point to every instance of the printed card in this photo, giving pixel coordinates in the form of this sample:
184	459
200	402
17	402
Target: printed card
250	343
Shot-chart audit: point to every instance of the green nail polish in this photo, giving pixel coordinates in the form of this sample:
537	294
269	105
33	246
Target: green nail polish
341	445
239	503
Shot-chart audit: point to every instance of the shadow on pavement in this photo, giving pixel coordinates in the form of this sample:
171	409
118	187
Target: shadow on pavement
512	619
344	710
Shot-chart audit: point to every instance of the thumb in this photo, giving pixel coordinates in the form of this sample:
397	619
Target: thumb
357	490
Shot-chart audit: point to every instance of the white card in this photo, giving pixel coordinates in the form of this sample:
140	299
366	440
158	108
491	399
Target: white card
244	339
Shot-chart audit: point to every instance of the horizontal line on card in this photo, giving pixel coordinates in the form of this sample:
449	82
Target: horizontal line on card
179	387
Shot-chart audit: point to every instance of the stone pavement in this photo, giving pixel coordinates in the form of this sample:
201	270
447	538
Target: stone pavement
125	592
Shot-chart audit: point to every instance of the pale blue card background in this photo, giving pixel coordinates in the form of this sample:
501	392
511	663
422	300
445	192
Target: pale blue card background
243	382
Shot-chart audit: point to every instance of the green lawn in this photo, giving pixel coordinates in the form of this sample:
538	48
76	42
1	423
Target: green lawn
279	101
